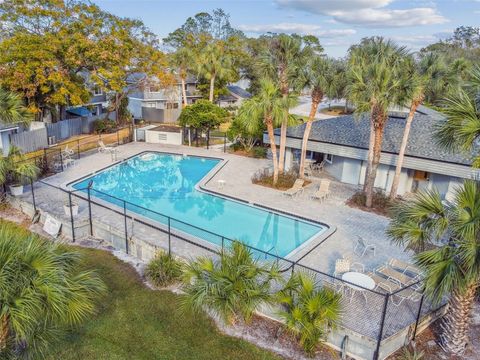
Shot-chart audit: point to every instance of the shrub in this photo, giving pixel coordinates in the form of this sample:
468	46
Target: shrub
163	270
259	152
45	291
265	177
104	126
311	311
381	202
233	285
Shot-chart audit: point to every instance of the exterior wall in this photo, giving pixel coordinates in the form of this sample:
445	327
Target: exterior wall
441	183
160	115
135	107
163	137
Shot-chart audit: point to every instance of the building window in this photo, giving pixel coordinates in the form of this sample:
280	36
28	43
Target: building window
329	158
97	91
150	104
172	105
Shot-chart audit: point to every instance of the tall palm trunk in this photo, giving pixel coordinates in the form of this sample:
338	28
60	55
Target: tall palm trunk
283	128
371	143
403	146
4	332
317	96
184	92
456	323
273	147
212	87
379	120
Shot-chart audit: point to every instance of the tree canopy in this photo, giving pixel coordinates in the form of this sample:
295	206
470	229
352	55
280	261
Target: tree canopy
203	115
49	46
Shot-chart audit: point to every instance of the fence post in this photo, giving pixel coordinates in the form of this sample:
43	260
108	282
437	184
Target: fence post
225	142
376	354
45	159
126	227
71	215
33	195
418	317
223	241
118	138
89	208
61	158
78	148
169	239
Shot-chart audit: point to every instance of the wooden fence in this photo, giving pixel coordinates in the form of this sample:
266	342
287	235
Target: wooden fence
29	141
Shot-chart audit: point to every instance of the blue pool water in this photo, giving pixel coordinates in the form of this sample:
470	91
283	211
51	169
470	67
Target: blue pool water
165	184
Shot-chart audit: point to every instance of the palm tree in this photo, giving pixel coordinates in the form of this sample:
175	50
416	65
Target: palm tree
461	131
269	105
215	62
182	59
451	232
233	286
310	311
375	86
16	168
419	77
12	109
283	61
318	77
42	290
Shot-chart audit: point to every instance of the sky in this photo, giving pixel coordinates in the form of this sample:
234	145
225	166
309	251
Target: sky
337	23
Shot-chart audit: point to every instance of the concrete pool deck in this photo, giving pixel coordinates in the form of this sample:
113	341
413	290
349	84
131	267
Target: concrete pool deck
234	179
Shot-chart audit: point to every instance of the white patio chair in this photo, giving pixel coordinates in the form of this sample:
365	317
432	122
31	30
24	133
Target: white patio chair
405	268
361	247
296	189
390	285
323	190
105	149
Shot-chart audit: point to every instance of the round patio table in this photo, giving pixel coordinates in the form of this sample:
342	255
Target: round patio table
363	281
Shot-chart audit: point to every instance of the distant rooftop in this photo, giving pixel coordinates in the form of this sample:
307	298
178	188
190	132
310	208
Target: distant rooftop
237	90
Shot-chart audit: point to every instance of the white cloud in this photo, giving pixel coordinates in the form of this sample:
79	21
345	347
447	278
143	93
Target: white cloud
371	13
297	28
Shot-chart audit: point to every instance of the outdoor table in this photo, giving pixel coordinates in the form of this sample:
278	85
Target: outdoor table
362	280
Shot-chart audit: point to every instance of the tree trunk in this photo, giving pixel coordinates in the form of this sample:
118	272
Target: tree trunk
378	124
116	109
316	99
4	332
403	146
212	87
371	143
184	92
456	323
284	89
273	147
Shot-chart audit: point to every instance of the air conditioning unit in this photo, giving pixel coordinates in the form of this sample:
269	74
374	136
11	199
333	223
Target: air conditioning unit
52	140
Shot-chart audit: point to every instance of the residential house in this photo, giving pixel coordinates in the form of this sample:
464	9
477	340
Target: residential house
161	104
342	142
236	95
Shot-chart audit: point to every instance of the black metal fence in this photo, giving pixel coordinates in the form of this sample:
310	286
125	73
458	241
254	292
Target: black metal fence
382	314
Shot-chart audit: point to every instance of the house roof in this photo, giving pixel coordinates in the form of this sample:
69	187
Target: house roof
238	91
79	111
354	132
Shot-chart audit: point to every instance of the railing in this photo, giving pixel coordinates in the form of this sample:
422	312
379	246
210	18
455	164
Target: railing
176	230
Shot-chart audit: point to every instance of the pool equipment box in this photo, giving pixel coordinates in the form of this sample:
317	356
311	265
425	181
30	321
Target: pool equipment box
164	134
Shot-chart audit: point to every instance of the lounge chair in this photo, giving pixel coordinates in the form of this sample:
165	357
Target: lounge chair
108	149
361	247
405	268
318	167
323	190
344	265
391	286
296	189
393	274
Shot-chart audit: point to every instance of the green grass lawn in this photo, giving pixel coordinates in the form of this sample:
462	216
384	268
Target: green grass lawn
135	322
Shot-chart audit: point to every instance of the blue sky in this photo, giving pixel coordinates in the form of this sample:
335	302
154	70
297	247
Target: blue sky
337	23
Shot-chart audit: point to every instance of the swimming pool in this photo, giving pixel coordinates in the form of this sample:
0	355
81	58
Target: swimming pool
166	184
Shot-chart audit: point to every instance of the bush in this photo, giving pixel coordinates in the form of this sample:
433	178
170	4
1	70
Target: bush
104	126
163	270
381	202
310	311
233	286
236	146
259	152
265	177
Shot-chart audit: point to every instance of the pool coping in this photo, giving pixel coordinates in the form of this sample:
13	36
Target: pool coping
200	186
